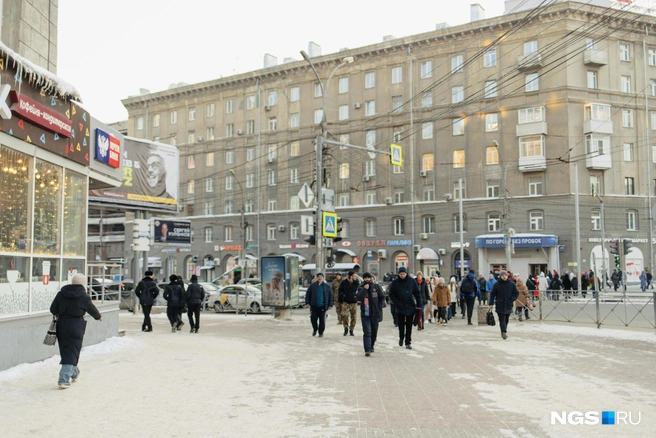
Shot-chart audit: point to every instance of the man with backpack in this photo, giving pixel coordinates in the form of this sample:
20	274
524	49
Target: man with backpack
195	295
147	291
174	296
469	288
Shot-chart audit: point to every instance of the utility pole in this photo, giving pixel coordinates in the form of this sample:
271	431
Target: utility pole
578	221
649	158
462	243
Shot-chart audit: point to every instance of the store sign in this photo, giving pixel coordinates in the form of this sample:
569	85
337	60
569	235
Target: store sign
230	248
28	109
294	246
346	244
108	149
383	242
524	241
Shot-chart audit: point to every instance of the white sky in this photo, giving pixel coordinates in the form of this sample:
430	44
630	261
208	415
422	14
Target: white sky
109	50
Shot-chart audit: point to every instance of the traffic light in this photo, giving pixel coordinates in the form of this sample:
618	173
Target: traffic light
628	244
311	240
339	230
618	263
614	246
330	258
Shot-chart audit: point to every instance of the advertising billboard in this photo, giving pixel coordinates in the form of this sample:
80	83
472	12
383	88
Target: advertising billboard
150	176
172	232
273	281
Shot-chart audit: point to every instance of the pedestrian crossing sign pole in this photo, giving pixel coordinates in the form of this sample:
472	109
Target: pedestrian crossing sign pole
329	221
396	155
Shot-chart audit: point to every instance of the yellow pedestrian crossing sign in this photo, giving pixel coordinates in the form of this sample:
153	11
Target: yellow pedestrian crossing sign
329	228
396	155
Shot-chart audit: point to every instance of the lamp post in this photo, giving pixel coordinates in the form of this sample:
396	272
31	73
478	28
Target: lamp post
242	225
506	209
318	230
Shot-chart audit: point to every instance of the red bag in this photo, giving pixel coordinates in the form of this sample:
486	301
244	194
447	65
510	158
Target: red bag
420	319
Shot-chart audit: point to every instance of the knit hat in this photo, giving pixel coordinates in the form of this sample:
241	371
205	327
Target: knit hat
403	269
319	273
504	272
366	275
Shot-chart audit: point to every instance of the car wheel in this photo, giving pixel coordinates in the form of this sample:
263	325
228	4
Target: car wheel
255	308
218	307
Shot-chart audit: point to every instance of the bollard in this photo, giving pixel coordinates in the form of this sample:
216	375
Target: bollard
598	311
540	302
654	301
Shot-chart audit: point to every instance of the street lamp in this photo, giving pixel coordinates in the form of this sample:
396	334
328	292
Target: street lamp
243	226
324	131
506	209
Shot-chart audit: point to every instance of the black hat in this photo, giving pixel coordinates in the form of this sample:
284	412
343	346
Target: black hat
148	273
403	269
173	277
319	273
366	275
194	278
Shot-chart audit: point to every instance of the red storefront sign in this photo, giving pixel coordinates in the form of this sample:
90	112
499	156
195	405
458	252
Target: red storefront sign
114	152
29	109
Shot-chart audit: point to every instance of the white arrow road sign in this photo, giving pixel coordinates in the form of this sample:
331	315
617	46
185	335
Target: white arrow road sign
307	225
305	195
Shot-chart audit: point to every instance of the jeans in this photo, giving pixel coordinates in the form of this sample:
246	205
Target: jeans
193	310
452	310
67	373
147	325
318	318
503	321
370	332
469	303
405	327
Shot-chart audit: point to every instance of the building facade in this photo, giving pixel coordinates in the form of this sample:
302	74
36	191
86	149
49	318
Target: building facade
523	110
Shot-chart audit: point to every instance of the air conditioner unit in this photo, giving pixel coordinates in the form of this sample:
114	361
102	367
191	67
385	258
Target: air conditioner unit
382	253
357	105
281	228
267	108
366	178
416	248
441	251
200	138
271	159
423	173
388	201
448	196
217	262
424	236
240	132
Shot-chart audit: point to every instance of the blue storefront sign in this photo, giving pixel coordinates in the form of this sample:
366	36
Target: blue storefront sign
520	241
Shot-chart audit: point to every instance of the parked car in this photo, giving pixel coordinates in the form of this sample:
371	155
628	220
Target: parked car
97	288
301	296
250	298
252	281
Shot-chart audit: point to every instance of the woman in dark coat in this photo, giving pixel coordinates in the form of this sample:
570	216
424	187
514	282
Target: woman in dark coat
70	305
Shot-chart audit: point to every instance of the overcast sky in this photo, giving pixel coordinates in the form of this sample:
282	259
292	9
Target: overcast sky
109	50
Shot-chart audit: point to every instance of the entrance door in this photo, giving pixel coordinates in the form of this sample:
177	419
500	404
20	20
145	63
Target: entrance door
536	269
497	268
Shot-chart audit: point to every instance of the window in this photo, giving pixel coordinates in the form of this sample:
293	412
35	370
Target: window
294	231
174	117
456	190
535	186
532	82
397	75
595	185
493	222
343	85
627	118
427	130
624	52
248	206
294	120
208	234
227	234
631	220
370	138
459	126
597	112
273	123
273	98
530	47
191	186
429	193
209	208
626	84
230	128
370	108
397	103
272	151
191	162
457	94
209	110
294	94
295	148
209	159
399	169
370	227
250	180
459	158
628	186
140	123
293	176
652	83
210	133
343	112
628	151
493	189
230	157
399	195
318	91
491	155
427	100
249	233
370	167
653	121
490	58
370	79
426	69
250	127
344	200
229	182
427	162
344	171
271	177
318	116
294	203
531	146
191	136
192	113
595	218
229	106
272	205
250	154
399	229
536	220
456	64
271	232
370	198
428	224
651	55
490	88
397	133
250	102
491	122
531	115
456	223
592	79
590	44
156	121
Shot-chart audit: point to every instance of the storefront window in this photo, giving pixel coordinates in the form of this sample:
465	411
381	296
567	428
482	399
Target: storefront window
15	222
45	282
75	213
47	208
14	285
71	267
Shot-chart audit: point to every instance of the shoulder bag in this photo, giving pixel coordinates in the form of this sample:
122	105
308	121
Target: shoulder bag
51	336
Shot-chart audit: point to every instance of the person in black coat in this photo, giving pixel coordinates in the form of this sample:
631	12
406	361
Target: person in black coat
372	301
174	296
404	293
70	305
319	298
183	305
503	296
194	296
147	291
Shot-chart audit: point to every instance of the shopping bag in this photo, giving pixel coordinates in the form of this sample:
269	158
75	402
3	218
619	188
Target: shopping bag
490	318
51	336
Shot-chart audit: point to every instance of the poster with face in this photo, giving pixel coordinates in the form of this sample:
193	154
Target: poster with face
172	232
273	283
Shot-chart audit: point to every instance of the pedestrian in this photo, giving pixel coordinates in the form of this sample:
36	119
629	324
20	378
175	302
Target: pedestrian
174	296
429	302
319	299
194	295
469	290
334	286
70	305
482	282
567	285
643	281
649	278
372	301
543	286
183	307
555	287
621	277
585	283
454	292
575	283
348	298
441	299
521	304
404	293
425	298
147	291
614	277
532	286
503	295
489	284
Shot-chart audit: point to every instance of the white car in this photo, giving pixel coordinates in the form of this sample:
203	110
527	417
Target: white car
250	298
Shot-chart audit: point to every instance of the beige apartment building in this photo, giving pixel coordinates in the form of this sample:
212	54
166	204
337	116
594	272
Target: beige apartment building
513	106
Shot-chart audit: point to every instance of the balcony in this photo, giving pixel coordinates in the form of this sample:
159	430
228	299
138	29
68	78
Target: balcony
530	61
595	58
532	164
535	128
594	161
598	126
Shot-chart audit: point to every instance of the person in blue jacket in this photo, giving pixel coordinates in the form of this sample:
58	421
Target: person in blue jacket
469	289
319	299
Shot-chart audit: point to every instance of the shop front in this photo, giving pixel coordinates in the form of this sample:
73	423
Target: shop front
530	253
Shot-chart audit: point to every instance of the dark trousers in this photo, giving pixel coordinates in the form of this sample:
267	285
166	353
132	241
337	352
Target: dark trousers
370	332
453	310
394	317
518	311
174	316
461	301
193	310
503	321
147	325
469	303
405	327
318	318
441	313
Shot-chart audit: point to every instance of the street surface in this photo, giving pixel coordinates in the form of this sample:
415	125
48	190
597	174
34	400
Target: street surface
256	376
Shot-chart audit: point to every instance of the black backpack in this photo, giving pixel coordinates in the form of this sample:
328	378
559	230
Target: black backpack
468	287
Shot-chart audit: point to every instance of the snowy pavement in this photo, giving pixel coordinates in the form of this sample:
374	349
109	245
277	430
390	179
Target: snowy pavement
255	376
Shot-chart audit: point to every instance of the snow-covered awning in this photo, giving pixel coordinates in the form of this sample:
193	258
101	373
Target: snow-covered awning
300	257
346	251
38	76
427	254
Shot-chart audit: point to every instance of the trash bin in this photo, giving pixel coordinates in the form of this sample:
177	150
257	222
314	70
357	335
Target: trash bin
482	315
